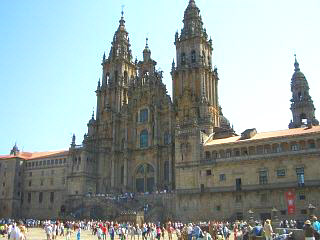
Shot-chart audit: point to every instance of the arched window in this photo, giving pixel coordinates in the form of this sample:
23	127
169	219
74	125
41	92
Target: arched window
183	59
204	57
193	56
144	115
107	77
144	138
125	77
145	178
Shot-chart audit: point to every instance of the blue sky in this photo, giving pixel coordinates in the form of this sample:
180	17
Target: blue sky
51	53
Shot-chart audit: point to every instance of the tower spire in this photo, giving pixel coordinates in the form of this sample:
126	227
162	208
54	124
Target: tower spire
302	108
296	64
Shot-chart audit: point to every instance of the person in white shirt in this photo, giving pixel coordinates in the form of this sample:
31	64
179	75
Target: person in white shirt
48	230
9	230
15	233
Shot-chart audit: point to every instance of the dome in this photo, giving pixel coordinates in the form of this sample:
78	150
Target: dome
224	122
92	121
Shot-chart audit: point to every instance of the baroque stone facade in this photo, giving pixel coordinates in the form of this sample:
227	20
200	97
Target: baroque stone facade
140	140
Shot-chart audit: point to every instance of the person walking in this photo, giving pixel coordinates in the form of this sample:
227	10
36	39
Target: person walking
308	231
48	230
78	232
268	231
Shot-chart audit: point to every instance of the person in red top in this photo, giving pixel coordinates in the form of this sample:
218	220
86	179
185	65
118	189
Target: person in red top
170	230
104	232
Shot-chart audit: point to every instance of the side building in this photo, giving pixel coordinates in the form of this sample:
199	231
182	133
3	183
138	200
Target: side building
33	184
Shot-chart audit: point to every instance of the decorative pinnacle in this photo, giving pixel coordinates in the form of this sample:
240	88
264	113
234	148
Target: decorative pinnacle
147	42
122	7
296	64
192	3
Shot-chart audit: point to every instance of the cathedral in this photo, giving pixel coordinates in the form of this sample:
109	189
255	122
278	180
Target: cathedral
140	140
132	138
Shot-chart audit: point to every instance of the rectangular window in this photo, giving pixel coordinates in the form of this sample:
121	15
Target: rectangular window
60	161
302	197
56	161
218	208
51	197
228	154
64	160
41	182
312	145
209	173
48	162
32	164
51	181
52	162
238	198
40	197
44	163
283	212
294	147
222	177
36	164
40	163
300	176
263	177
238	184
281	172
3	184
30	183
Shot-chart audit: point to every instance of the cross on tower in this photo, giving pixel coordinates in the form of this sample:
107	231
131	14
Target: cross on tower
122	7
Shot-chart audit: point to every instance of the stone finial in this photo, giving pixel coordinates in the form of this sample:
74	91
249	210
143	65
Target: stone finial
296	64
73	142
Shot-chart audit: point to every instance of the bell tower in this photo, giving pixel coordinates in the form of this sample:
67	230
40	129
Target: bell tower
302	108
195	83
117	72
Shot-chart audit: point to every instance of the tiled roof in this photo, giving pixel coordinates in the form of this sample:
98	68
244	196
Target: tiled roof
267	135
34	155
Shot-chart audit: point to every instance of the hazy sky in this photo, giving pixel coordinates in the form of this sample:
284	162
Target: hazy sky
51	51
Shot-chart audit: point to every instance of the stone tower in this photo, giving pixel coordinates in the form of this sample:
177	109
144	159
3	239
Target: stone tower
195	87
118	71
303	110
195	83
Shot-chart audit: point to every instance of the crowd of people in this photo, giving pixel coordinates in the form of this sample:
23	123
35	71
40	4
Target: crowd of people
109	230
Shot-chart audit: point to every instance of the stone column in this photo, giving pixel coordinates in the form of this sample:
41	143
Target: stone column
125	175
155	140
112	172
170	172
